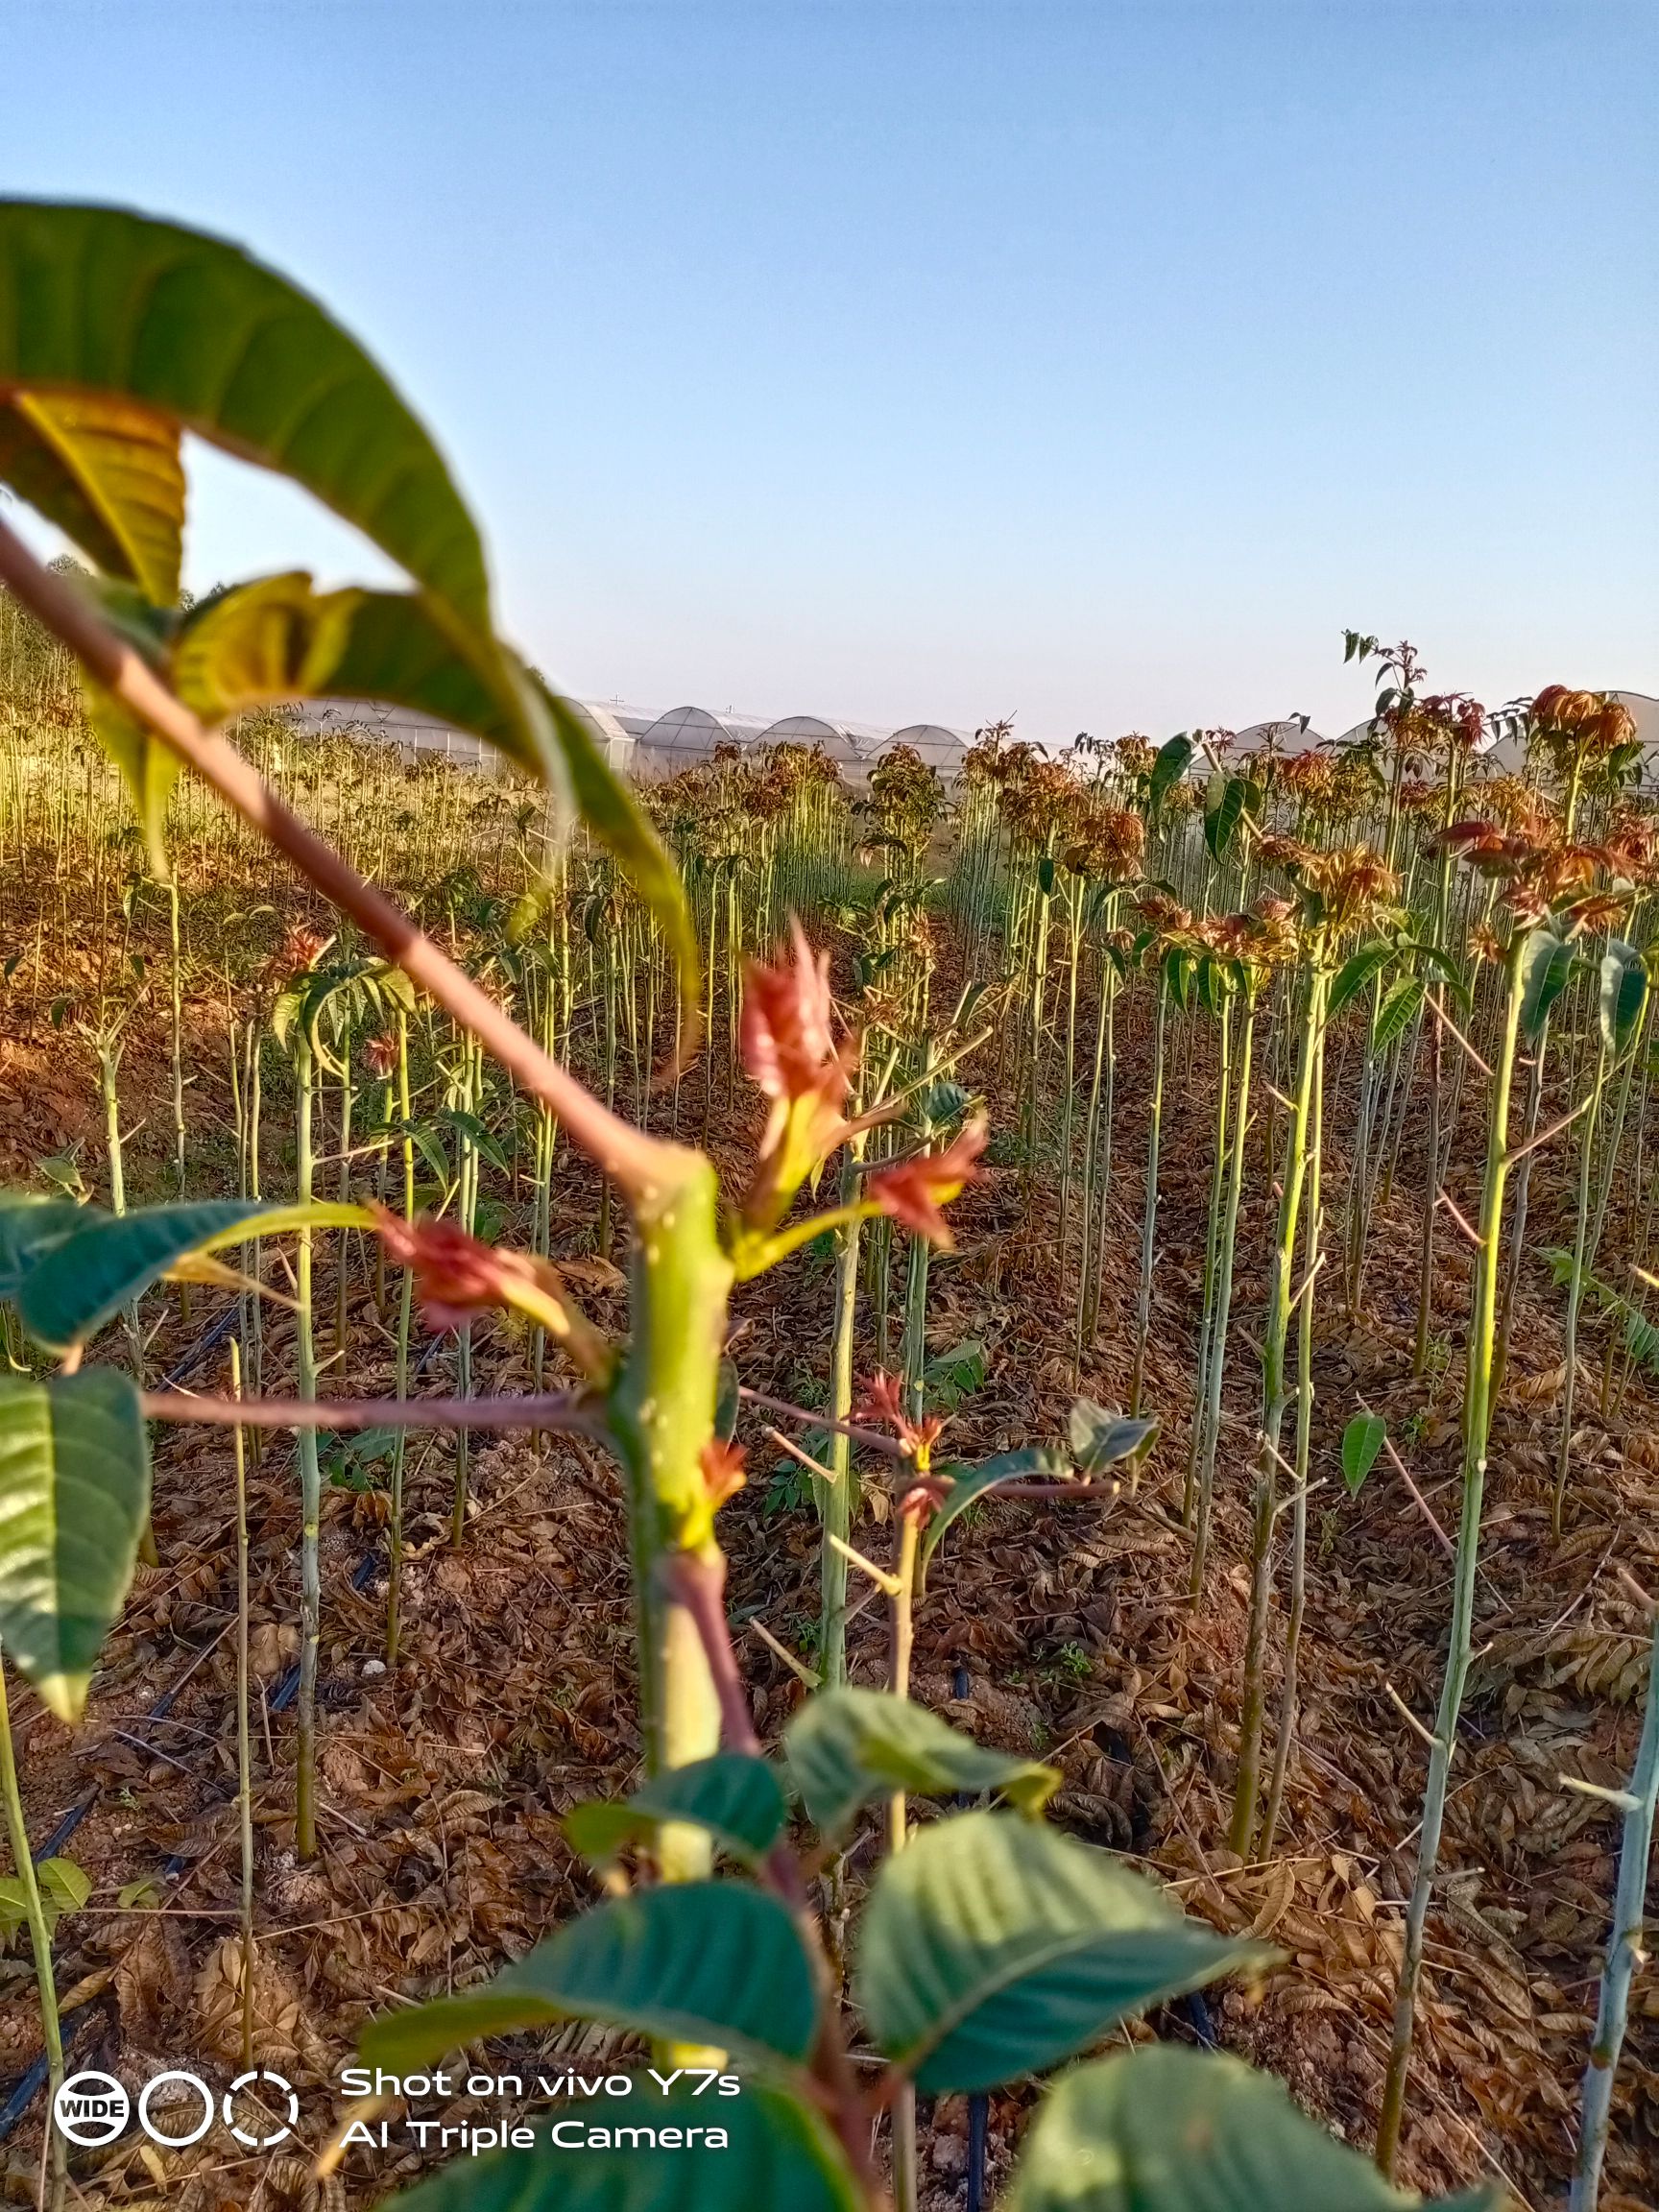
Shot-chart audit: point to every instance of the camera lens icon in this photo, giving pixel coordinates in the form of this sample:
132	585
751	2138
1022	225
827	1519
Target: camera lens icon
264	2075
91	2109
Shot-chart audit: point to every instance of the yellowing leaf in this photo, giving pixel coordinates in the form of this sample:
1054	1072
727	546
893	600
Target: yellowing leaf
107	471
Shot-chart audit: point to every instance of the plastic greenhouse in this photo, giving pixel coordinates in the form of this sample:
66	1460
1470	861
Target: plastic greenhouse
687	735
943	750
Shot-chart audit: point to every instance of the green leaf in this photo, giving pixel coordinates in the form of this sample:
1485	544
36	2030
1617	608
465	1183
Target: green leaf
993	1947
711	1962
64	1886
1546	964
739	1799
1100	1440
277	638
107	474
1223	813
479	1137
1622	998
74	1498
87	1279
951	1376
194	331
727	1402
1361	1442
147	767
1173	760
1355	972
1035	1463
1163	2130
30	1225
779	2157
617	820
849	1747
1401	1004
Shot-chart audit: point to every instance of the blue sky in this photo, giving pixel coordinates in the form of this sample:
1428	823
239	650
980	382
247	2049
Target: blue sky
1096	363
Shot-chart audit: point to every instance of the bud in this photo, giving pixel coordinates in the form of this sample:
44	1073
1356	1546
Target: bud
789	1050
381	1054
723	1472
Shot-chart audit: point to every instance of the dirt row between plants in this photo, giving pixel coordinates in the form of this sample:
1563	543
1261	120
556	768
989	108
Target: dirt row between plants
443	1778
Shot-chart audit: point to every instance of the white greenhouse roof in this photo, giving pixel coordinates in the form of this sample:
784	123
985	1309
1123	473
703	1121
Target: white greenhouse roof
615	739
939	748
1284	736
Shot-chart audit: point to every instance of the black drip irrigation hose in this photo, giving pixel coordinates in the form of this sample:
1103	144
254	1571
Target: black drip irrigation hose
209	1341
30	2084
33	2081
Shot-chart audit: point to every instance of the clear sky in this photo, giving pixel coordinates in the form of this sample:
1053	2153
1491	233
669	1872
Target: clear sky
1094	363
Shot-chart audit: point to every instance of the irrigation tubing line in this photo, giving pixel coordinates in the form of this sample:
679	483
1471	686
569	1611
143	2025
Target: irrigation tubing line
33	2079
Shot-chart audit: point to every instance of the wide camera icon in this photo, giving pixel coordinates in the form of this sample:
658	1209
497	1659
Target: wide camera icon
91	2109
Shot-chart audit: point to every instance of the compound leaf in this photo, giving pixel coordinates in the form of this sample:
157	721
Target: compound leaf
192	330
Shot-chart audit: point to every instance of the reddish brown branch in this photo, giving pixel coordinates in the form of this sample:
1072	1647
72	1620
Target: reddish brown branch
563	1409
872	1438
699	1584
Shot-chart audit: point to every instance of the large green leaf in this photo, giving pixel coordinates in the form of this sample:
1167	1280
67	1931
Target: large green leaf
779	2157
1163	2130
1401	1003
107	474
1546	964
1032	1463
711	1962
993	1947
1355	972
277	638
1622	997
1174	758
99	305
194	330
738	1800
90	1276
849	1747
1223	811
30	1224
74	1498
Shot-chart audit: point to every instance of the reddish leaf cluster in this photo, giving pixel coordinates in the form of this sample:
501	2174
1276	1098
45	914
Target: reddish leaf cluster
1542	873
914	1191
457	1274
884	1402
